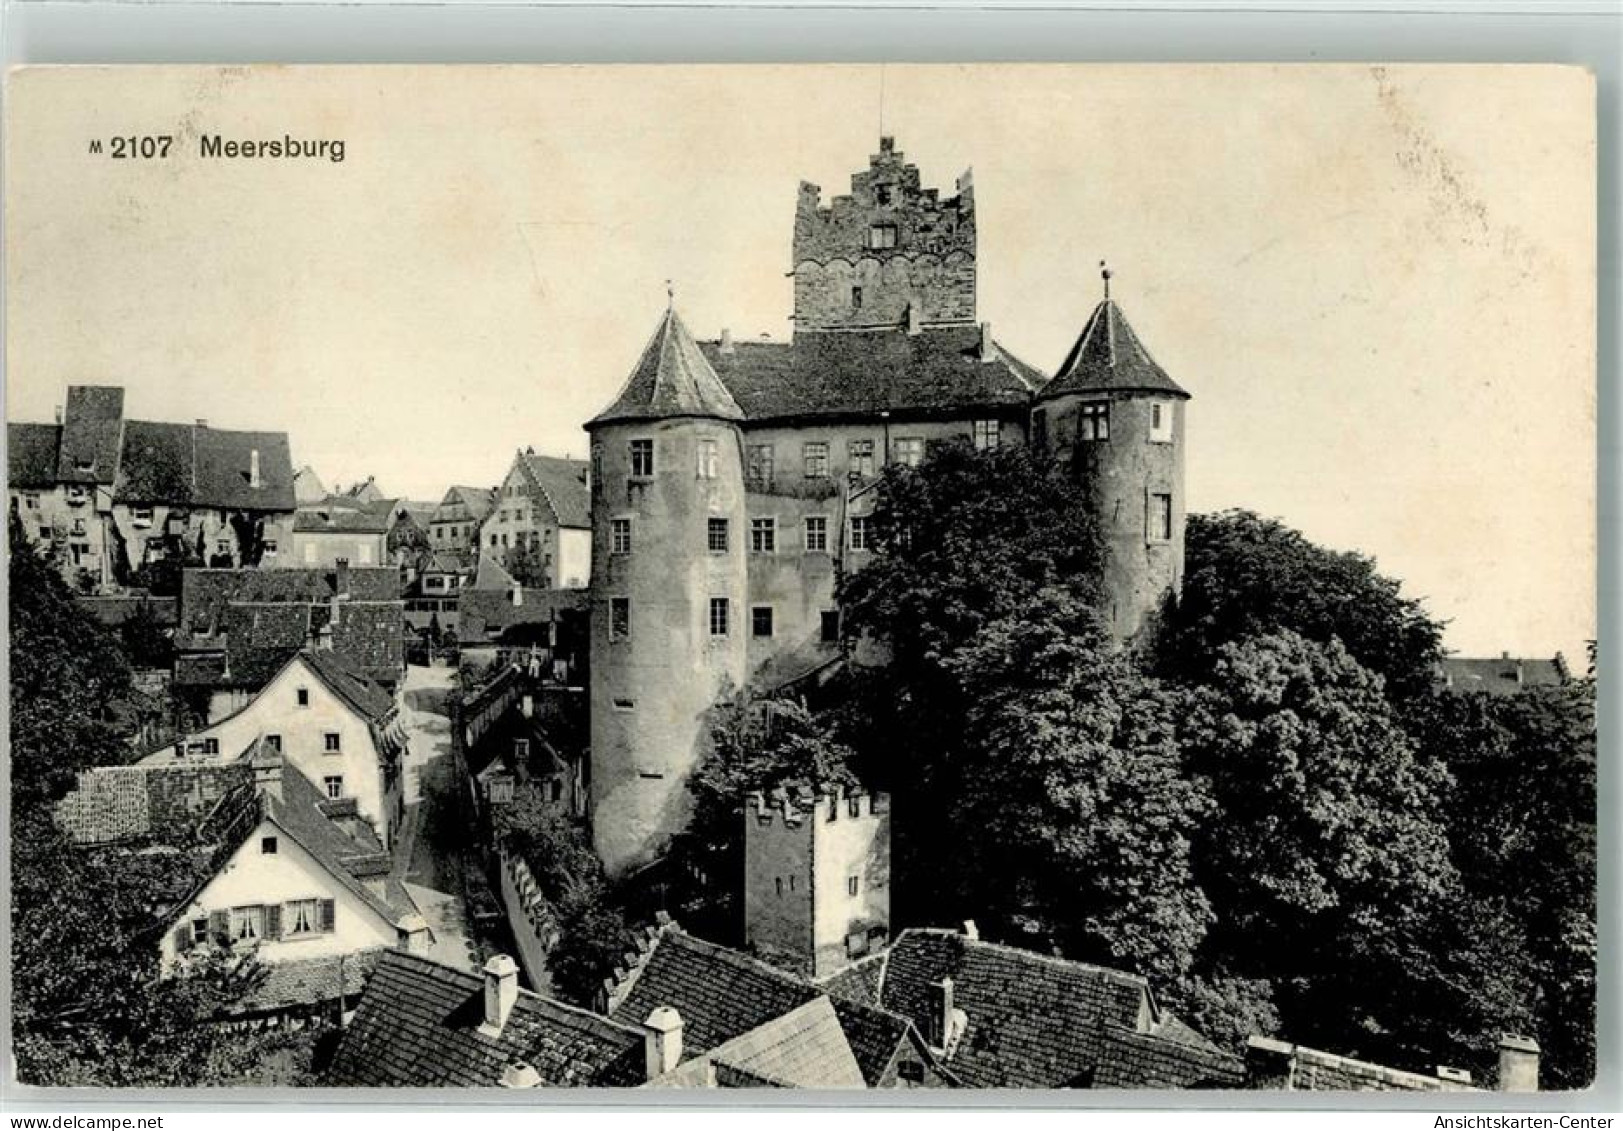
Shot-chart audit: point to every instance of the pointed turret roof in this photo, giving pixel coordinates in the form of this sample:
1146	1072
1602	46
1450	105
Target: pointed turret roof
672	378
1108	357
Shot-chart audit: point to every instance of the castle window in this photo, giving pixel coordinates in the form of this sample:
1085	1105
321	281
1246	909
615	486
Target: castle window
619	618
761	620
763	535
707	459
719	608
882	194
1160	518
831	626
716	535
642	459
1160	422
859	533
816	534
909	450
856	298
987	434
778	881
852	884
882	237
597	467
619	536
816	460
860	454
759	470
1093	421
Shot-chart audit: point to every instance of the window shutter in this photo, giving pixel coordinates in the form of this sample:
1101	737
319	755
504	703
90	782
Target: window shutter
183	937
273	922
328	912
219	926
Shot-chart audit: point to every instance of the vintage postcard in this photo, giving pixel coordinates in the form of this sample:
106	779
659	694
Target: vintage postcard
827	577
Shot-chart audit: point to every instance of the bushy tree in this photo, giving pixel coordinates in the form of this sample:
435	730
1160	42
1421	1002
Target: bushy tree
1247	576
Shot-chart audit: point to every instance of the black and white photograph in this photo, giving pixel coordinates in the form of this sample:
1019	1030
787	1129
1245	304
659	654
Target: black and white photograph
831	577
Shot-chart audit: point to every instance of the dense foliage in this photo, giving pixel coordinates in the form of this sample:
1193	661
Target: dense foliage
88	1004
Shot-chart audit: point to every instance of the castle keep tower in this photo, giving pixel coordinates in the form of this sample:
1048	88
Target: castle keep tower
668	589
889	254
816	878
1118	419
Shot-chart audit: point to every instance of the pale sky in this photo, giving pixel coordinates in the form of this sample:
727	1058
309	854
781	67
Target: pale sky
1379	286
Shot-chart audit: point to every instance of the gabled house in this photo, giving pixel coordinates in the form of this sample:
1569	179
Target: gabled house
116	495
1506	675
454	524
340	528
543	506
544	629
431	594
236	628
330	722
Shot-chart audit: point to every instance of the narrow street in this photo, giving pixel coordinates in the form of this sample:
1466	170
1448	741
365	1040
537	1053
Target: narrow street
429	857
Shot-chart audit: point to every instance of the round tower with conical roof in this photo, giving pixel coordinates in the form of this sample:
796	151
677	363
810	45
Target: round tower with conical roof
669	580
1118	419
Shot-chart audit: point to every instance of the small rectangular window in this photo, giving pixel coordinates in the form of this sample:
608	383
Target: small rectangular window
521	748
763	535
852	884
859	533
332	742
200	930
856	298
619	618
247	923
1093	421
707	459
908	450
716	535
882	237
830	626
211	746
761	620
816	459
642	459
1160	518
267	846
816	534
334	785
619	536
778	880
304	696
274	741
625	705
597	467
759	471
988	434
1160	422
860	455
718	616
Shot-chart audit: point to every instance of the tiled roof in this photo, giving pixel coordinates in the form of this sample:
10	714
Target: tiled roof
92	423
31	455
492	576
1130	1059
164	804
936	372
672	378
350	683
477	500
1033	1021
804	1048
491	612
1503	676
114	610
562	483
1108	357
1279	1064
341	516
223	470
418	1026
307	981
722	994
858	982
157	464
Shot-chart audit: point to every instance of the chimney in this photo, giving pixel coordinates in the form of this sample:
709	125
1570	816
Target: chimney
726	341
663	1044
202	423
971	931
1518	1064
253	468
518	595
413	934
527	705
266	766
520	1074
915	321
341	581
987	352
1504	655
501	991
1454	1075
940	1013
